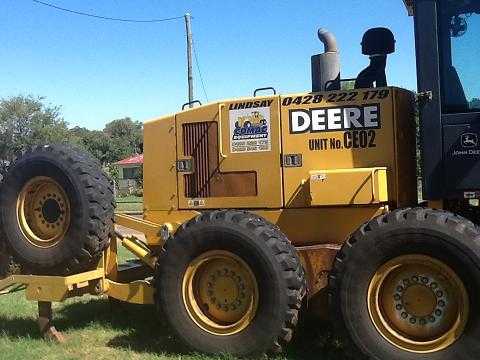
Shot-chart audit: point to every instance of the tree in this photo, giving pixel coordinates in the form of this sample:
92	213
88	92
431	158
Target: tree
96	142
27	121
126	136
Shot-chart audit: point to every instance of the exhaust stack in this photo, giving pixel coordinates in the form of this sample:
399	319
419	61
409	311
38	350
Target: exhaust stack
326	66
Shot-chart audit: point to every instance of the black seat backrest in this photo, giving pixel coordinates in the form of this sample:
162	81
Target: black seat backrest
377	43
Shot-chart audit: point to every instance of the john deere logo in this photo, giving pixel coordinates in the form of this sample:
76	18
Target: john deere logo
469	140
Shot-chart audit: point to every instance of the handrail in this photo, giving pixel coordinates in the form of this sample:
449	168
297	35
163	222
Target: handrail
220	132
191	103
264	89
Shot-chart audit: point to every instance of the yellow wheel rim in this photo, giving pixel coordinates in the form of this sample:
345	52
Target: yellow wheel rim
43	212
418	303
220	293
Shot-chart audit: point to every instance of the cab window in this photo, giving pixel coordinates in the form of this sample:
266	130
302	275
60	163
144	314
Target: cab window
459	42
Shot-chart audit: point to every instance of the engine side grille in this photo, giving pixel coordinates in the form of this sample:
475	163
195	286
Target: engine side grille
198	139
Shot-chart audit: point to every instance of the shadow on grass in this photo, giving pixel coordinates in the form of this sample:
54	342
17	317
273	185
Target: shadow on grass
141	330
19	328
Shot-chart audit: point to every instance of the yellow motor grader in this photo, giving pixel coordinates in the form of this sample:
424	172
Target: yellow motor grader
248	223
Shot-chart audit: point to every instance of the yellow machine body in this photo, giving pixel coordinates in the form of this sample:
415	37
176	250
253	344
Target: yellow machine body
317	165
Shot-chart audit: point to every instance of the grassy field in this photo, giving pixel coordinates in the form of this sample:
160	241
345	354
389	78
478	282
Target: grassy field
97	329
129	204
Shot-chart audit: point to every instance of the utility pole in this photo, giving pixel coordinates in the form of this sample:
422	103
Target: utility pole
188	25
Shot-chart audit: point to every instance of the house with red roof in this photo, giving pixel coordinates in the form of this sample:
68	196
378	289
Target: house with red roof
129	170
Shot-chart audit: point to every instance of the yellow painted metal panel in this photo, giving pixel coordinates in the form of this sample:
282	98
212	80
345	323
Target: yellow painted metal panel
150	229
346	130
361	186
265	163
159	171
52	288
321	225
136	292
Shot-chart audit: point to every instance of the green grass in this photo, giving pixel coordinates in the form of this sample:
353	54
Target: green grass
129	204
129	199
97	329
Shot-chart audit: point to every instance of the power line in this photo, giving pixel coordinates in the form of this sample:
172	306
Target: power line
199	71
106	17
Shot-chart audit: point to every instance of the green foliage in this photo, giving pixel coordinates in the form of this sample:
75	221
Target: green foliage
119	139
126	137
27	121
94	141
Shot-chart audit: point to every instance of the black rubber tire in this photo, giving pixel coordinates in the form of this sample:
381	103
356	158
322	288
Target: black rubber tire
438	234
92	204
274	262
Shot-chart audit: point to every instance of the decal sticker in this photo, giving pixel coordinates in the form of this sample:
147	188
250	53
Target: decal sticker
357	139
469	140
250	128
470	195
318	177
196	202
467	145
335	119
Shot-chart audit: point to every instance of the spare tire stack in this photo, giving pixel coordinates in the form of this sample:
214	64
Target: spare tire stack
56	210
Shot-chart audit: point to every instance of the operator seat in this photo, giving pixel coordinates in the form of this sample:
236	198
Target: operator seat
377	43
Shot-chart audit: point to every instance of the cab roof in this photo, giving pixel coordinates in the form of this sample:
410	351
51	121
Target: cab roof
409	5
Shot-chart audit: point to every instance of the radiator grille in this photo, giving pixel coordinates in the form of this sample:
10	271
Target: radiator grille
197	138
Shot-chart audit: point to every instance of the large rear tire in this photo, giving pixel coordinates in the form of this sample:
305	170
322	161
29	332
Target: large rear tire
229	281
405	287
56	210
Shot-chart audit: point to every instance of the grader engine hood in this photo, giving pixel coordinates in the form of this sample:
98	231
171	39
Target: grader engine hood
334	148
348	143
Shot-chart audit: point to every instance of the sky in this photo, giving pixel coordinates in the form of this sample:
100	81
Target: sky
99	70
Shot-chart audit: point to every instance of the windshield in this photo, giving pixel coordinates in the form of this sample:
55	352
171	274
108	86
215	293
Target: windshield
459	43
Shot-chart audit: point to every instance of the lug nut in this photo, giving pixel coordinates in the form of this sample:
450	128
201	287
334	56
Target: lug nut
413	320
397	297
438	312
399	307
441	303
404	315
439	294
415	278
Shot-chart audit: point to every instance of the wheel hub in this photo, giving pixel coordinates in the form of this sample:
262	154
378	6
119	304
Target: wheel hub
418	303
43	211
51	210
220	292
